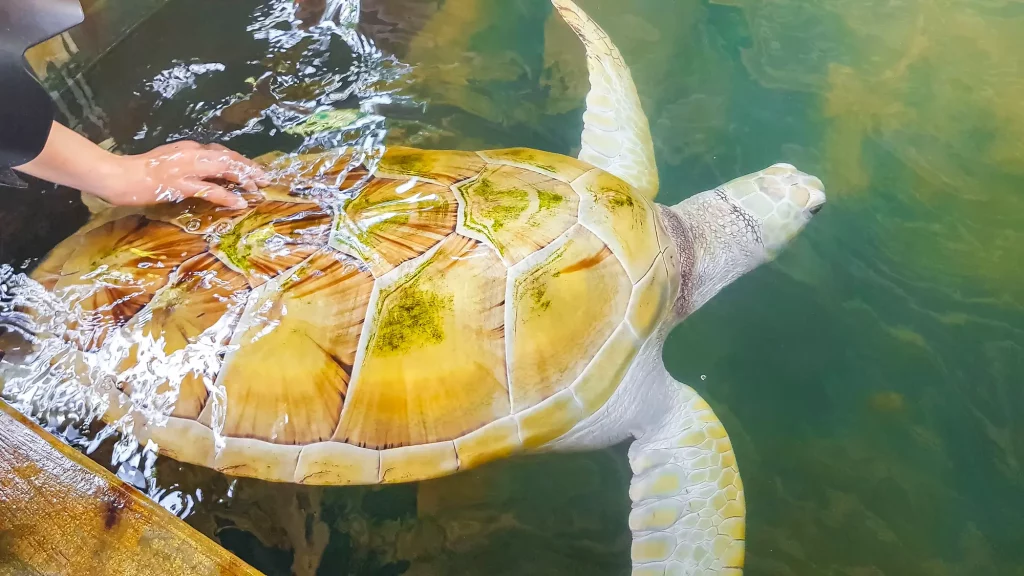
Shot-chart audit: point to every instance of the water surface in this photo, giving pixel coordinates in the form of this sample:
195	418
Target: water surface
872	379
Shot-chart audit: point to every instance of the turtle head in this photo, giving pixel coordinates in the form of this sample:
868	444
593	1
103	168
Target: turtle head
724	233
777	202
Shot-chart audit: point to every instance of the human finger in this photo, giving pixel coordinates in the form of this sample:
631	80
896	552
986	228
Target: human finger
213	193
226	168
217	174
236	177
228	171
207	165
259	172
219	152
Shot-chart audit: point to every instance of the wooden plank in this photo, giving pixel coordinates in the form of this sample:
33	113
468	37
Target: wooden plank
63	514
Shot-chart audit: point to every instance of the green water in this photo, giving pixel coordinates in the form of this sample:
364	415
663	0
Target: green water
872	379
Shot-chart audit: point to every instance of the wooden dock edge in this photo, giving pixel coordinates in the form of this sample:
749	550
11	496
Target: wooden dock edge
63	514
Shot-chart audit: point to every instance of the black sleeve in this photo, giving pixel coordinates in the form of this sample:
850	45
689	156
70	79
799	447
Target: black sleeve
26	110
25	116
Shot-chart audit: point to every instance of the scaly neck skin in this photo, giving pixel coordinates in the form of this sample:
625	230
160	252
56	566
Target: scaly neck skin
717	243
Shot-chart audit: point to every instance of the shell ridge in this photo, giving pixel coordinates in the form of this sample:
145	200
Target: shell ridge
521	270
398	176
461	227
582	176
370	322
510	328
364	337
232	316
515	209
242	324
206	415
649	268
548	164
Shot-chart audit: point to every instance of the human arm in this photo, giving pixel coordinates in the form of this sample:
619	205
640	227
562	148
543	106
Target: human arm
165	174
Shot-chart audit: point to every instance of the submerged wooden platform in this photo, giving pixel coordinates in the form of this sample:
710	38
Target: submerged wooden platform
63	514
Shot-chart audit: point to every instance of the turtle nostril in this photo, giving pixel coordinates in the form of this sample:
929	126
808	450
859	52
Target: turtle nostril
816	209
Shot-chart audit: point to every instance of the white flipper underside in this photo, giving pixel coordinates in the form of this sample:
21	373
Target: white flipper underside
688	509
616	135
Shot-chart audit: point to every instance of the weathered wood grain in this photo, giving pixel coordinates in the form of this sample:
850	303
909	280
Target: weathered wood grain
62	514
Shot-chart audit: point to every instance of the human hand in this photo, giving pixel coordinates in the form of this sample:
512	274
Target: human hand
169	173
174	172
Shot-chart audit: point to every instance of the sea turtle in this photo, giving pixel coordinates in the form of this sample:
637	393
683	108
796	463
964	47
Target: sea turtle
458	307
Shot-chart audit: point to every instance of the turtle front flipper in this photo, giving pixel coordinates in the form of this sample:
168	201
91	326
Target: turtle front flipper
616	135
688	512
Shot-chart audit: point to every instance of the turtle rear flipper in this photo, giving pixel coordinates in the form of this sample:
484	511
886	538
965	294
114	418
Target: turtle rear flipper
616	135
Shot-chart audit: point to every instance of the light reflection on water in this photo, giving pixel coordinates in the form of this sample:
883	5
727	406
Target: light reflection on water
870	379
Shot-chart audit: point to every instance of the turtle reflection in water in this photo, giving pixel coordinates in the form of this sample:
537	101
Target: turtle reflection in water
460	308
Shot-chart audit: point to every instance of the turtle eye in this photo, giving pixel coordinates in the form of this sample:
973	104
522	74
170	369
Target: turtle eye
816	209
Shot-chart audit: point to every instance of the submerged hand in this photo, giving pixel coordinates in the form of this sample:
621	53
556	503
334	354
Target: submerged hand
169	173
177	171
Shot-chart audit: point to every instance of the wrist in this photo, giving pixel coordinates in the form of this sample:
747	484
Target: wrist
110	174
